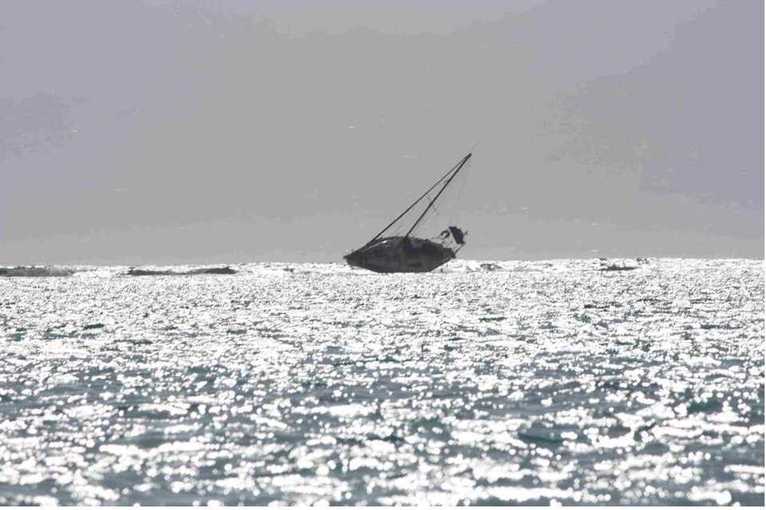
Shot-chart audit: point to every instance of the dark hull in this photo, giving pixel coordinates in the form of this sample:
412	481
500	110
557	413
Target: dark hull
401	255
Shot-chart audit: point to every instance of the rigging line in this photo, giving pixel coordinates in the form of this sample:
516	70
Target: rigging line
437	206
460	164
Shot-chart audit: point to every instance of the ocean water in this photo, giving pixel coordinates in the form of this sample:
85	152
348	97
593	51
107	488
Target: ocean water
533	383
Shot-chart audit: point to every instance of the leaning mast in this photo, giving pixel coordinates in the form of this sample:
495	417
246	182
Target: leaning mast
454	169
431	203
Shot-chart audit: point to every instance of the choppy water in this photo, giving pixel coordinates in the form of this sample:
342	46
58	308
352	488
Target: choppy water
317	383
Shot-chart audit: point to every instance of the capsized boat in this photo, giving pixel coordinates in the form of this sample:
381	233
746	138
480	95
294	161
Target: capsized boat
409	254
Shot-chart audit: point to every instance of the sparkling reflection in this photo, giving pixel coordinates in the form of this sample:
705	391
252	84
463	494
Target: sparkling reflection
537	382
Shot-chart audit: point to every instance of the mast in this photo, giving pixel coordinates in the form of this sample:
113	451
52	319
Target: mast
431	203
455	169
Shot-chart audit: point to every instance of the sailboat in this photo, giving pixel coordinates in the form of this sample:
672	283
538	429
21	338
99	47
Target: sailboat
409	254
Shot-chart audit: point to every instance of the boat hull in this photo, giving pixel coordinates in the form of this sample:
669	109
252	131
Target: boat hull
401	255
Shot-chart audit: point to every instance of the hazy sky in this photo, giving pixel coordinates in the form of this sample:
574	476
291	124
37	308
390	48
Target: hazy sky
235	131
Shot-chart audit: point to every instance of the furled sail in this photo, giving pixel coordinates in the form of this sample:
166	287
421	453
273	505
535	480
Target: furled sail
407	253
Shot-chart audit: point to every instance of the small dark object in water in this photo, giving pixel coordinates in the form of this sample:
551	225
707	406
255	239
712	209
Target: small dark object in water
36	271
146	272
165	272
93	326
213	270
615	267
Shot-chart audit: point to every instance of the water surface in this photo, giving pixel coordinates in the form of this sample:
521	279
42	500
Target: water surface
536	382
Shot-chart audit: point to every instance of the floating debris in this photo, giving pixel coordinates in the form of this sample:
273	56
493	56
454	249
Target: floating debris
616	267
214	270
167	272
35	271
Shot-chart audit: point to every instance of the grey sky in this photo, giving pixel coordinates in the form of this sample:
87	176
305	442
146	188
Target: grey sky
235	131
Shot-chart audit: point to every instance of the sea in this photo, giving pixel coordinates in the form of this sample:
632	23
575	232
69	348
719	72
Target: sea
571	382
